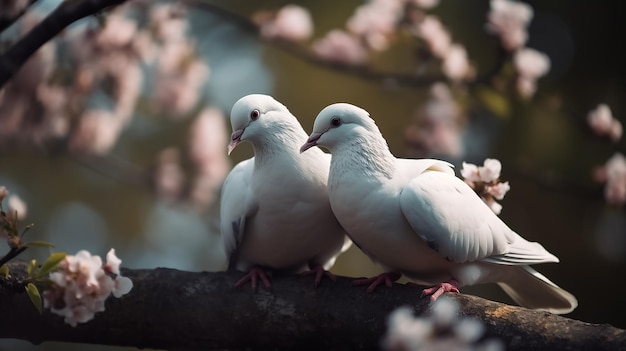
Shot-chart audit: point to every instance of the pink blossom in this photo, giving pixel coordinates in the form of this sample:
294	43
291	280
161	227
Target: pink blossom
437	129
169	175
169	22
470	172
490	171
208	137
498	190
615	187
455	64
531	63
493	205
118	31
82	284
97	132
292	22
602	122
375	22
113	262
339	46
509	19
17	205
434	34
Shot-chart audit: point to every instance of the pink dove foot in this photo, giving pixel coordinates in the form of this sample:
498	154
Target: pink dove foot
319	272
387	278
436	291
253	275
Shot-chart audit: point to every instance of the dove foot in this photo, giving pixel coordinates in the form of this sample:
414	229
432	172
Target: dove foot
436	291
253	276
387	278
319	272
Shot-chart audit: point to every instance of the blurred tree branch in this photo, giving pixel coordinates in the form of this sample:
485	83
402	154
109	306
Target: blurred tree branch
67	13
171	309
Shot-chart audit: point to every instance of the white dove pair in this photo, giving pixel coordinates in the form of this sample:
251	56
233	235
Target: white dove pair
412	216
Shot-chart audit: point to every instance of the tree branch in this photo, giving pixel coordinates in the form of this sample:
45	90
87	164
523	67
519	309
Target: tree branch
171	309
67	13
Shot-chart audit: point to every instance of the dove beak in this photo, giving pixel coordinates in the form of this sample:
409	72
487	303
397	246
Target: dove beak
235	139
312	141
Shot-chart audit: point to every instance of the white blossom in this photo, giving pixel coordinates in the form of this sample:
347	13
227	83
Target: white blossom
603	123
291	22
82	284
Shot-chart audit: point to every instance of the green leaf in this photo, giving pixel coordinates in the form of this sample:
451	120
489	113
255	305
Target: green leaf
35	298
38	243
31	268
51	263
4	270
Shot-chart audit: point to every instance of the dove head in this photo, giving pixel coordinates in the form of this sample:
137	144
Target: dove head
339	124
256	116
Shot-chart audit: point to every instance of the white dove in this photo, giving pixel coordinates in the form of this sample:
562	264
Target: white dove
416	217
274	208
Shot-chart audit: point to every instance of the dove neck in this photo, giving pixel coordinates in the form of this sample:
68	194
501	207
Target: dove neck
285	142
363	157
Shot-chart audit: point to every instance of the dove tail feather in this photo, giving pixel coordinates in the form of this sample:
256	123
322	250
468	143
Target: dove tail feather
531	289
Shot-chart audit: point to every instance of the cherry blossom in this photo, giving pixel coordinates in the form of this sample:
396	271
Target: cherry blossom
292	22
456	64
485	180
17	205
530	65
436	130
3	192
340	46
436	36
603	123
82	284
509	20
443	329
613	174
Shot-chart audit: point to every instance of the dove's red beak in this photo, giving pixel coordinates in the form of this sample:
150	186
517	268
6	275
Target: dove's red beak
312	141
235	139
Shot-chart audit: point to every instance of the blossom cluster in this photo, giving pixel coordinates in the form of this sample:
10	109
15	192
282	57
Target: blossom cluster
443	329
59	94
603	123
82	284
509	20
455	62
485	180
613	175
436	130
292	22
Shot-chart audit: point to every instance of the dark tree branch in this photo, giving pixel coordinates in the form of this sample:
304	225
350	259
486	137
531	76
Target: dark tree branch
67	13
171	309
6	21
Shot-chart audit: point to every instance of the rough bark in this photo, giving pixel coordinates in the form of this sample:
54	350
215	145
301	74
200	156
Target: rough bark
171	309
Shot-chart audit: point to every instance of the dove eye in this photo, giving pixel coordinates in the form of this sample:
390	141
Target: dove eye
335	122
254	115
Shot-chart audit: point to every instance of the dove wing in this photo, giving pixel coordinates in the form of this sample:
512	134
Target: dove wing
452	219
236	206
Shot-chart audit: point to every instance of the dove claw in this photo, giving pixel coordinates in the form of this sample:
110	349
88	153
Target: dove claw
253	276
436	291
387	278
319	272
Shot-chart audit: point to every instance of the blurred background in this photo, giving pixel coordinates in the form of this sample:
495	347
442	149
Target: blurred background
115	134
